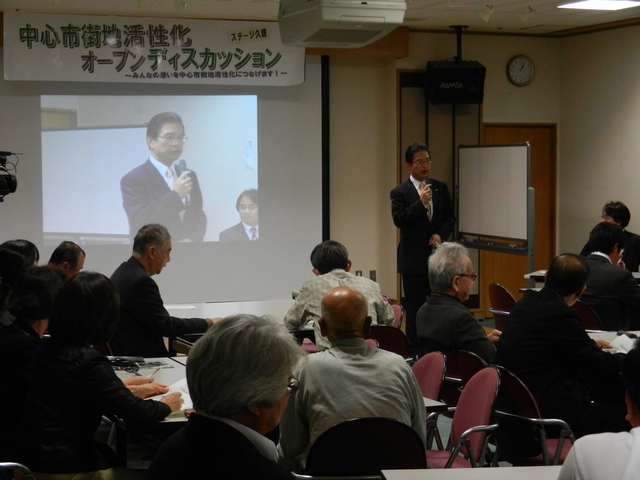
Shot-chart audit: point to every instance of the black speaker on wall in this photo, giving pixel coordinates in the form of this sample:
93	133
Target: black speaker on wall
455	82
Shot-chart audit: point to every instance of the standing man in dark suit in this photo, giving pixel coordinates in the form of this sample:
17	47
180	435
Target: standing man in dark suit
611	290
162	189
618	214
143	319
423	211
247	228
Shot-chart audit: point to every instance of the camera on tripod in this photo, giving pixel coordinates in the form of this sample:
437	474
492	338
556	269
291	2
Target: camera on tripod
8	181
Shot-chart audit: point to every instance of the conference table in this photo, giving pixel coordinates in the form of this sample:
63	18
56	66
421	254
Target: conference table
538	277
275	308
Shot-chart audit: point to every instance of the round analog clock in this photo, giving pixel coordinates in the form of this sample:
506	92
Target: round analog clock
520	70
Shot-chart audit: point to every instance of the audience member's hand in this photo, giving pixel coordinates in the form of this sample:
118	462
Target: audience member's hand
435	240
148	389
425	193
136	380
188	412
212	321
183	184
494	336
603	343
174	400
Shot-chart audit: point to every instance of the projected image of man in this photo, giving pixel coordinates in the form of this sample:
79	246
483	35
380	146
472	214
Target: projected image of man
247	228
162	189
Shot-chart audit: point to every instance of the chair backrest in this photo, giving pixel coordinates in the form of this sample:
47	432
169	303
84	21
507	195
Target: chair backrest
450	391
372	342
500	298
469	364
390	338
475	408
398	313
500	318
590	319
365	446
430	371
16	467
516	438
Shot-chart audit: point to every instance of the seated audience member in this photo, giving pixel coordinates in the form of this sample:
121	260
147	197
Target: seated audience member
239	378
247	228
611	455
30	302
611	290
567	372
15	256
72	386
143	319
331	265
618	214
350	380
68	257
444	322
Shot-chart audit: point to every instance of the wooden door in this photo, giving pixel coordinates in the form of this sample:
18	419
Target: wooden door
509	270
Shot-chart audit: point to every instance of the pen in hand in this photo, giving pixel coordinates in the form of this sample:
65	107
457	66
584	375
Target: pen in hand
155	371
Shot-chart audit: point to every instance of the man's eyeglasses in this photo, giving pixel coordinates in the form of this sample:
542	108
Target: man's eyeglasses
472	276
422	162
294	385
173	138
248	208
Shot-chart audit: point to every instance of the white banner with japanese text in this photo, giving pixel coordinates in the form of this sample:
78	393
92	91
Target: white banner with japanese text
83	48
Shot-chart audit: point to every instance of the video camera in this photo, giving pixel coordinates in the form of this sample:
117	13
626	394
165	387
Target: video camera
8	181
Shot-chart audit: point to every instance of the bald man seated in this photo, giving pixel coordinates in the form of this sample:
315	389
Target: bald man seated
350	380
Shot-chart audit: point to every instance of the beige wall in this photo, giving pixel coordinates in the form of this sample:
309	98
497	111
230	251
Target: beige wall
600	124
589	85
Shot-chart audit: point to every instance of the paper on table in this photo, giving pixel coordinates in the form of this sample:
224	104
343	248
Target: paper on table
180	386
622	343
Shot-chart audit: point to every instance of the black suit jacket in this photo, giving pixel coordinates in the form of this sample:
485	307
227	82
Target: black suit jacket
71	387
444	323
631	254
209	449
410	216
147	198
234	234
545	345
613	293
143	318
18	344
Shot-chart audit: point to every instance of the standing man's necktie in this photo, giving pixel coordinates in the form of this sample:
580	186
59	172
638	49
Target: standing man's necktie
253	233
170	174
429	205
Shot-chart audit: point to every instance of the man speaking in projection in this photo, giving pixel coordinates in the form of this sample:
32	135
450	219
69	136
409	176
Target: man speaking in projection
163	190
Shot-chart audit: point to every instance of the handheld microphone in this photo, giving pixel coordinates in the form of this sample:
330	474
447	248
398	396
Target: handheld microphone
180	167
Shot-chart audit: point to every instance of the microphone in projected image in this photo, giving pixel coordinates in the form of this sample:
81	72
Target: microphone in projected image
8	180
180	167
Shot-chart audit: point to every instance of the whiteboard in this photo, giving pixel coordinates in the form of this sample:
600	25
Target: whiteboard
492	190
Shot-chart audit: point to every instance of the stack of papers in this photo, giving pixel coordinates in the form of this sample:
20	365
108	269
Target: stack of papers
622	344
180	386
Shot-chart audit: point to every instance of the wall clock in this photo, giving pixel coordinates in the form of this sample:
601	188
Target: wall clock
520	70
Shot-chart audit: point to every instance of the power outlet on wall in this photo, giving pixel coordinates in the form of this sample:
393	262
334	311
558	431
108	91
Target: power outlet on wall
372	275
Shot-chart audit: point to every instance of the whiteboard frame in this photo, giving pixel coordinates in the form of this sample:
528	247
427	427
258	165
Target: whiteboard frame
501	215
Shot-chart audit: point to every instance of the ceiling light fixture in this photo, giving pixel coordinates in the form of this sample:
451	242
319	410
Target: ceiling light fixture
486	15
601	5
525	16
